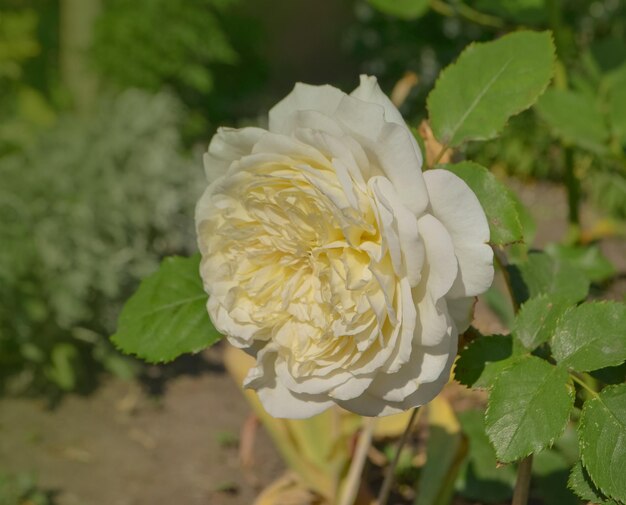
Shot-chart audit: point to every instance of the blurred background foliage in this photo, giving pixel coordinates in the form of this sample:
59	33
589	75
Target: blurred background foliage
106	105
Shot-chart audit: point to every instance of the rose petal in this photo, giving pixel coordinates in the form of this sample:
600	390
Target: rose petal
324	99
456	206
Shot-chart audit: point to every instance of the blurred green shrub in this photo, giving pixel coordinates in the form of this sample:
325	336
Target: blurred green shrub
204	51
146	43
23	110
21	489
88	209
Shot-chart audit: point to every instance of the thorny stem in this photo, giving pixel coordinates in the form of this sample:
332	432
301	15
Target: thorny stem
383	496
467	12
353	480
522	484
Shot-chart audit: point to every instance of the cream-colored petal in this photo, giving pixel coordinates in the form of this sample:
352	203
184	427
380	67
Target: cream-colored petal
228	145
442	266
462	311
278	400
410	251
456	206
369	91
324	99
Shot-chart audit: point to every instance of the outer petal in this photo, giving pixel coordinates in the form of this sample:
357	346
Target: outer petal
324	99
228	145
462	311
456	206
425	366
275	397
368	90
442	267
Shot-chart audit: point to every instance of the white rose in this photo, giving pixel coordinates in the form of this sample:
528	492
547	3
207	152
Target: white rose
329	256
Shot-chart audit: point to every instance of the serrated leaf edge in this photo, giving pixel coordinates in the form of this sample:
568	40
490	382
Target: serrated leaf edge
549	443
468	49
579	430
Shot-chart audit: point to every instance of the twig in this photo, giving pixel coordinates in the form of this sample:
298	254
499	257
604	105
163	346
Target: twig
353	480
383	496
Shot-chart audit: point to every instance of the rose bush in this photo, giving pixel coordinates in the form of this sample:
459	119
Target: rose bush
329	256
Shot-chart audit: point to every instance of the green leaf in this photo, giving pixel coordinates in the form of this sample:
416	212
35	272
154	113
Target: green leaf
591	336
501	210
482	479
574	118
602	433
536	321
483	360
529	405
580	482
490	82
589	260
499	303
541	273
167	316
405	9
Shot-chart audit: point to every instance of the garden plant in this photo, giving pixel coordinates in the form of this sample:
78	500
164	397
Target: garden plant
342	250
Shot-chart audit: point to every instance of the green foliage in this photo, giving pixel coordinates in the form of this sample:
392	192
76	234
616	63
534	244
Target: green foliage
405	9
481	476
588	259
591	336
602	440
163	41
521	11
484	359
23	109
550	474
21	489
617	109
17	41
501	210
529	405
543	274
203	51
536	321
167	315
574	118
473	98
580	482
86	211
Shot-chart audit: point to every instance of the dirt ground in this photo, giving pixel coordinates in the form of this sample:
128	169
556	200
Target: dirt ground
126	445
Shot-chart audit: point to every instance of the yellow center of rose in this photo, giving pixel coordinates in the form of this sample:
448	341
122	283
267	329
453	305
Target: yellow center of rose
308	268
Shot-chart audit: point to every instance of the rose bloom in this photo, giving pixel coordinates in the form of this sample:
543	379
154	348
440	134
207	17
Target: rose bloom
329	256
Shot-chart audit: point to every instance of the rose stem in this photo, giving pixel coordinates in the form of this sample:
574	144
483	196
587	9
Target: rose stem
522	484
353	480
383	496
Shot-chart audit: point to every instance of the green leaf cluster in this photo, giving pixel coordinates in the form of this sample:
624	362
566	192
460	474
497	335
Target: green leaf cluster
537	374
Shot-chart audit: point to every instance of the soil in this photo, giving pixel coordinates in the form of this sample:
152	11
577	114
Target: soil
172	438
